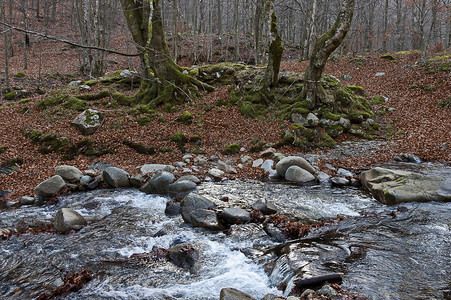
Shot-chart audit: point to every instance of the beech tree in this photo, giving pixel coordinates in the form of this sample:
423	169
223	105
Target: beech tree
325	44
163	80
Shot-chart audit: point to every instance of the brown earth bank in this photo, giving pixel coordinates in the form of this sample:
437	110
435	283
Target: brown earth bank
416	123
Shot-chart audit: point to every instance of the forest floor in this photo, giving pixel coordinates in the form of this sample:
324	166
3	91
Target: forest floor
417	124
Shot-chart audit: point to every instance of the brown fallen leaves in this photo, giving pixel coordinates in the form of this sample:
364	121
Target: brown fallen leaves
72	283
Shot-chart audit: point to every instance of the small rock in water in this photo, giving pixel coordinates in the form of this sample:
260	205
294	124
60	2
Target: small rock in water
408	157
344	172
327	291
340	181
298	174
183	255
236	215
25	200
234	294
322	177
267	208
67	219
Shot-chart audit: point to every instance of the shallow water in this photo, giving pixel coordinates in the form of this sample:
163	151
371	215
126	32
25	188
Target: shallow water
405	256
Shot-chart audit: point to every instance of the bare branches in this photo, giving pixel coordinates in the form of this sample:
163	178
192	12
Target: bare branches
58	39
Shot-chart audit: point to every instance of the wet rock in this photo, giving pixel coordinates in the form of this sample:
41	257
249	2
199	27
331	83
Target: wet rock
189	178
340	181
67	219
69	173
408	157
181	188
137	181
183	255
50	187
94	184
158	184
283	165
116	177
322	177
40	200
393	186
298	174
88	121
271	297
152	168
226	168
25	200
172	208
235	215
194	202
267	208
85	180
327	291
274	232
216	174
206	219
234	294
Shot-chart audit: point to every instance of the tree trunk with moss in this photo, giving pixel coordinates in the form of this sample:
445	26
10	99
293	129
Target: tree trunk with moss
325	44
163	80
275	51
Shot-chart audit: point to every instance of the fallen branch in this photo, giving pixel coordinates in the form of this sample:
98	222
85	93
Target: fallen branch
318	281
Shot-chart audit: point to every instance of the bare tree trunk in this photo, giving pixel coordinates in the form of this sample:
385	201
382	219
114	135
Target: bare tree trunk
325	44
275	51
258	28
54	10
174	32
235	29
26	37
219	21
399	31
385	37
6	46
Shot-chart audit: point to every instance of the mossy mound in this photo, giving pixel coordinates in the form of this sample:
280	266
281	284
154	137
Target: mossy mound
232	149
186	118
140	148
217	74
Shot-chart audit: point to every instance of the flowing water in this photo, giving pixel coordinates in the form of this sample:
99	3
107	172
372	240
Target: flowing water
383	255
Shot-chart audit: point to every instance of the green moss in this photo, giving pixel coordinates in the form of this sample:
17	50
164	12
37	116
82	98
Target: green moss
378	100
326	141
179	138
10	95
3	149
334	130
75	104
232	149
145	119
97	96
403	53
20	75
252	110
186	118
91	82
301	131
388	56
24	110
428	88
358	90
445	103
140	148
122	99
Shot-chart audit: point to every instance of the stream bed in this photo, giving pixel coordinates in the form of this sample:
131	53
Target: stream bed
395	252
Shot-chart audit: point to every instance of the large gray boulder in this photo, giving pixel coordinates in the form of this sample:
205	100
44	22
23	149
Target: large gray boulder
181	188
88	121
393	186
193	202
158	184
67	219
69	173
50	187
235	215
234	294
298	174
116	177
283	165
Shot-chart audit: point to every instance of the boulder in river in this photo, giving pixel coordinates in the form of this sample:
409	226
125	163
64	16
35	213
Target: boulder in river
183	255
158	184
50	187
69	173
235	215
181	188
116	177
234	294
67	219
393	186
206	219
193	202
266	208
283	165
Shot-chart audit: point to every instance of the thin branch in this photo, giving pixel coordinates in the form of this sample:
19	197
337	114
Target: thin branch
54	38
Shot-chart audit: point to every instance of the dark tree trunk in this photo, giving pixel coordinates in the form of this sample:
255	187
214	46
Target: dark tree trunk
325	44
168	84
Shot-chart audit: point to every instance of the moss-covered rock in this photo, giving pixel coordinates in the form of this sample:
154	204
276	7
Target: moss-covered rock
334	130
140	148
251	110
378	100
19	75
11	95
90	97
75	104
232	149
326	141
301	131
179	138
186	118
388	56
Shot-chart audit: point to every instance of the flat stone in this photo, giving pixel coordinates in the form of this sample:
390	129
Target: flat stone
69	173
181	188
25	200
152	168
234	294
266	208
235	215
257	163
340	181
50	187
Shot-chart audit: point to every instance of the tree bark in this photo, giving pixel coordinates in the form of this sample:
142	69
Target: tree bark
168	83
325	44
275	51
